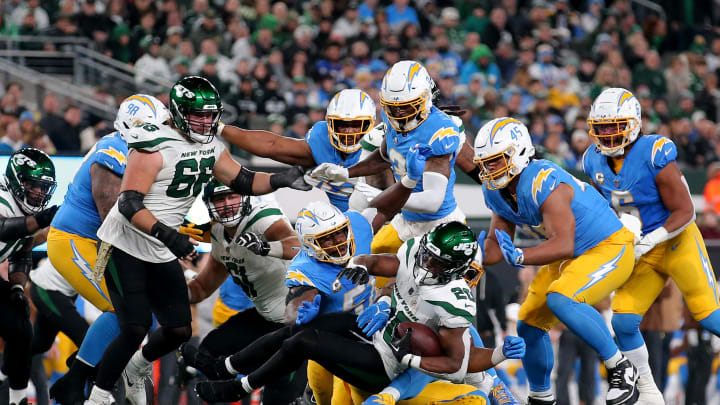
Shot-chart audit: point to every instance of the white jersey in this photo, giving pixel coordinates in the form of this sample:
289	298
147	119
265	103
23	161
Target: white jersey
9	209
450	306
261	277
48	278
187	168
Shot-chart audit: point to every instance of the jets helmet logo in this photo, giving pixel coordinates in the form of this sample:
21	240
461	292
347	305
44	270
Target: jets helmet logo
182	91
21	160
466	247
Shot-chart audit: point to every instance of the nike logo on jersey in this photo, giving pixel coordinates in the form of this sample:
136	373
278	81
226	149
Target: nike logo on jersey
675	247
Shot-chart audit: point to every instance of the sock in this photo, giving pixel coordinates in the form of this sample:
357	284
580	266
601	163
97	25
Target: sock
138	363
17	395
100	396
712	323
392	392
410	383
613	360
627	331
103	331
546	395
640	359
538	360
585	321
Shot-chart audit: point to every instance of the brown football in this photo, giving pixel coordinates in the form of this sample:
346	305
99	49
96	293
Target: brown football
423	342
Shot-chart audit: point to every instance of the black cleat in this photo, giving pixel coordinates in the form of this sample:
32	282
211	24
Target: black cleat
621	381
68	390
220	391
535	401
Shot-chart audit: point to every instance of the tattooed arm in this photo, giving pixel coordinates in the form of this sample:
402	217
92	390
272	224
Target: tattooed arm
105	188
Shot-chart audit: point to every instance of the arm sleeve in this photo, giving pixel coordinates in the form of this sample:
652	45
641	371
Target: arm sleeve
431	198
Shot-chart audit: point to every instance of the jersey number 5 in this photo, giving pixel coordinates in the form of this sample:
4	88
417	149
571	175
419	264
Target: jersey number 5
190	177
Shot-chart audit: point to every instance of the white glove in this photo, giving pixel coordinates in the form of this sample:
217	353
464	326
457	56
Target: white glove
367	191
330	172
633	224
649	241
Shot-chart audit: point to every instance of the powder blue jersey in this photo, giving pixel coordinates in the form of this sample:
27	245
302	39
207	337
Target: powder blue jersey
594	220
233	296
306	271
633	189
323	151
78	214
442	134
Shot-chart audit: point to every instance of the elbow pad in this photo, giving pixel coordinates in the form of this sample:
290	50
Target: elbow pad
20	264
13	228
243	182
130	202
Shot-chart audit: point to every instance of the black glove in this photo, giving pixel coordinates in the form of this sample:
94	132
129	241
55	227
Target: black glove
18	300
44	217
212	367
292	177
400	346
357	273
178	243
254	243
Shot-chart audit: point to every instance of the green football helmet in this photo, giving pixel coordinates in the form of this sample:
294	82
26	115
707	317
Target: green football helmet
195	108
31	178
228	215
444	254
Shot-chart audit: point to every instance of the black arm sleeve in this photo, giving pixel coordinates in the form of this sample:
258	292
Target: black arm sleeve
130	202
20	263
475	175
14	228
243	182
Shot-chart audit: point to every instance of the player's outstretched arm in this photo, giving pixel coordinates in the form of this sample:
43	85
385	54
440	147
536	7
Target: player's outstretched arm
269	145
482	359
303	302
105	188
465	162
382	264
210	278
248	182
560	228
374	163
281	233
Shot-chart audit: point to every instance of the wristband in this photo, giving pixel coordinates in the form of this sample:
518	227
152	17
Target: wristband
220	127
657	236
17	287
497	356
386	299
276	248
412	361
229	367
408	182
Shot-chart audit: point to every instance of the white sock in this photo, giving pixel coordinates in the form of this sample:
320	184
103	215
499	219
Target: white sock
3	377
646	384
393	392
613	360
99	395
17	395
640	359
246	385
543	395
138	363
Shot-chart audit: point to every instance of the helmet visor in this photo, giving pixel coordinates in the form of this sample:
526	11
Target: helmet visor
345	134
496	169
613	133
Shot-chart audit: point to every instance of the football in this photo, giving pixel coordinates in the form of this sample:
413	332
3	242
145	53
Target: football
423	342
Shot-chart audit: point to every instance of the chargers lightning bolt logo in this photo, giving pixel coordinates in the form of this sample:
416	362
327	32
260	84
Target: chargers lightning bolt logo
85	268
538	182
115	154
600	273
708	271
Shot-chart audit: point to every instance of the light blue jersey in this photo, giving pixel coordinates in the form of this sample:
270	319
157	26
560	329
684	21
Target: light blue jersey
306	271
633	189
78	214
232	295
594	220
323	151
442	134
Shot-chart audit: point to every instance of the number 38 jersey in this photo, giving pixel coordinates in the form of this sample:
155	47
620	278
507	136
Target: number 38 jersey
187	167
448	305
262	278
633	190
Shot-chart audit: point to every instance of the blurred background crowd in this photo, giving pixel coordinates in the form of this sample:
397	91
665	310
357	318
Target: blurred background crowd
277	64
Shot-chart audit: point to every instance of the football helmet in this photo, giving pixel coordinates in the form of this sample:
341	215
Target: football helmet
349	105
228	215
406	95
319	225
614	121
30	176
444	254
507	141
137	109
195	108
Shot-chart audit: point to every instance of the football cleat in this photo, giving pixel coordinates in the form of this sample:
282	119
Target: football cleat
379	399
220	391
621	381
501	395
135	386
535	401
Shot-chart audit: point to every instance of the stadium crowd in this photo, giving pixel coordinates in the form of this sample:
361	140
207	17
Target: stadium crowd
277	64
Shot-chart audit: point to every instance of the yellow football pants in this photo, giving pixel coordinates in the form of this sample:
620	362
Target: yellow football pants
74	257
328	389
221	313
684	259
587	278
437	392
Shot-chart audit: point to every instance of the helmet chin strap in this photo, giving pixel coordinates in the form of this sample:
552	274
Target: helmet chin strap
613	153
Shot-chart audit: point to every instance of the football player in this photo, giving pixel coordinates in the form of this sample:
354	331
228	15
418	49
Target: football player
411	118
587	253
25	191
638	175
252	241
429	289
350	115
167	167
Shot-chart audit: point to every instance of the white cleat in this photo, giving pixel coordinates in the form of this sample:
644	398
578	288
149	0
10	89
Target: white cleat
135	391
649	392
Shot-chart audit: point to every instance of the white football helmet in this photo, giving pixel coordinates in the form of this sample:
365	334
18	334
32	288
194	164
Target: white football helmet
507	139
140	108
349	105
615	121
406	95
317	226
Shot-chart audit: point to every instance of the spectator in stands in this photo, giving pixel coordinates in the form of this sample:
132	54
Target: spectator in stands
92	24
120	47
209	51
139	8
496	29
579	142
170	49
544	69
66	136
481	61
210	27
13	139
349	25
180	67
143	34
152	65
399	13
7	27
299	126
28	27
31	7
650	73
